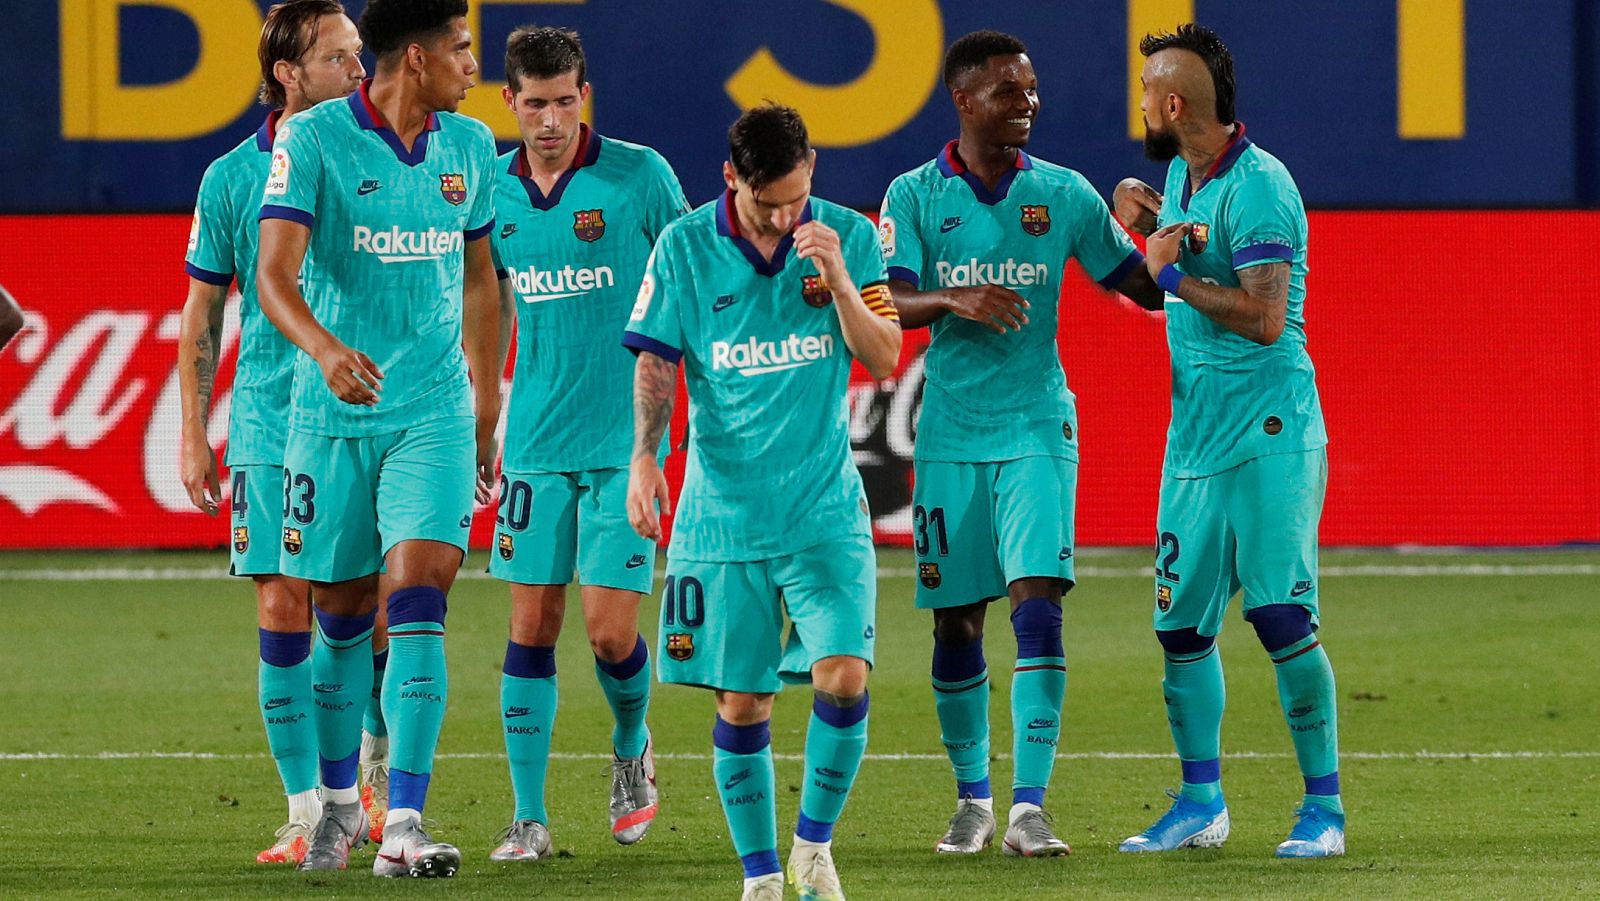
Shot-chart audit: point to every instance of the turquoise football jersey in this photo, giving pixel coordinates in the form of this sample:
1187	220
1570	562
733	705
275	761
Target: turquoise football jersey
770	471
222	247
384	270
1232	399
989	396
574	260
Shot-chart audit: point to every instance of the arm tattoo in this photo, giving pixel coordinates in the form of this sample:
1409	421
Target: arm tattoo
1254	310
655	381
1269	282
207	350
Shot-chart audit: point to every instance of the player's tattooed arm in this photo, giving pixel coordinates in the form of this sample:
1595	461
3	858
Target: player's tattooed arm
199	347
1254	310
655	381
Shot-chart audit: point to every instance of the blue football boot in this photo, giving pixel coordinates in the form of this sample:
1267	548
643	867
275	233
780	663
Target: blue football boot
1319	832
1188	824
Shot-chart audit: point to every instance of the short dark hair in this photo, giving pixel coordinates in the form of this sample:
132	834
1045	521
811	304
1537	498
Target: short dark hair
544	52
972	51
767	143
289	33
390	25
1204	42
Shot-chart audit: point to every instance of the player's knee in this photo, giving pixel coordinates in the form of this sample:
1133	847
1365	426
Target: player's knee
741	709
283	604
844	677
1280	625
958	625
1184	641
1022	590
614	644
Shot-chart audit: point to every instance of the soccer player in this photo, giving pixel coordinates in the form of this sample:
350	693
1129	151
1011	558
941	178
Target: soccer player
388	200
309	52
577	215
1246	463
976	241
765	295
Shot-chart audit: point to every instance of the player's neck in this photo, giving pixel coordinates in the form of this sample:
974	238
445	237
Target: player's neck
1201	150
765	244
989	162
545	173
395	98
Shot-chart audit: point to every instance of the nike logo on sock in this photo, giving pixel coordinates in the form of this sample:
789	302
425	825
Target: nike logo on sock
735	779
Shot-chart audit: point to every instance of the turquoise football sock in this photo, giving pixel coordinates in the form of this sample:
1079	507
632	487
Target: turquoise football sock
1310	706
284	688
961	700
626	684
1038	686
528	709
835	742
372	720
341	675
415	691
742	767
1196	695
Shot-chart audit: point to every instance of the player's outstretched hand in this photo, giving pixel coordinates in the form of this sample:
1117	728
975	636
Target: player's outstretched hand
1161	249
198	468
647	493
820	244
351	375
1137	205
1001	309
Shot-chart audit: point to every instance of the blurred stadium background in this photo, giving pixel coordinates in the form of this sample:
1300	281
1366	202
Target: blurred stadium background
1449	150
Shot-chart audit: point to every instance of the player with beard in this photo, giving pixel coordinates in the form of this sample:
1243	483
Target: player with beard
1246	462
976	241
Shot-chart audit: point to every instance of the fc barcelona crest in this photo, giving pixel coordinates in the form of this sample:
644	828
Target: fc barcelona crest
503	541
589	225
1199	237
1035	219
453	185
814	291
1164	597
241	538
291	541
680	645
929	574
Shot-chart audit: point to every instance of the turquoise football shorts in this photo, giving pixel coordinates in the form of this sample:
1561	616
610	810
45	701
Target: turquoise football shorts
257	520
978	527
1253	526
550	523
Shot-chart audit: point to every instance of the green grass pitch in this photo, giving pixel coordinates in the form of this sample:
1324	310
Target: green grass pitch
1471	741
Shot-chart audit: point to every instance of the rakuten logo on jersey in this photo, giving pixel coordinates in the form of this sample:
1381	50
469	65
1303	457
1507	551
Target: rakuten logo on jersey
756	357
1010	274
535	285
396	246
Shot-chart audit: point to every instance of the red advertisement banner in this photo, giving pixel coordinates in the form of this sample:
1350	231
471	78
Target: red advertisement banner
1455	358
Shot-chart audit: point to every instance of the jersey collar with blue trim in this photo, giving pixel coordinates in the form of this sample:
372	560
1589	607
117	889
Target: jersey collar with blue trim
588	151
268	132
728	227
1236	147
951	165
368	117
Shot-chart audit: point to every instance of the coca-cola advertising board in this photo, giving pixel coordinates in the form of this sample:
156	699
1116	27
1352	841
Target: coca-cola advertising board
1455	360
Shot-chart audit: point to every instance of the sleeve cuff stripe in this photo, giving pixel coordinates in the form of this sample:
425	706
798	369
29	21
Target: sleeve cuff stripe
1128	264
473	234
1259	252
645	344
903	274
222	279
275	211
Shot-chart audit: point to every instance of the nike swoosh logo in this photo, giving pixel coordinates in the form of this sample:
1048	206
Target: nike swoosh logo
949	226
1299	590
722	303
636	562
1066	553
735	779
364	190
275	703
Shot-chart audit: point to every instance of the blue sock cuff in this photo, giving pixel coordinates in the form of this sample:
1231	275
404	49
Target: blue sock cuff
284	648
761	863
380	661
340	773
1028	795
416	604
1323	785
408	790
957	661
1037	624
344	628
813	831
629	666
751	739
529	661
1202	772
979	789
840	717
